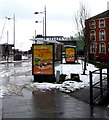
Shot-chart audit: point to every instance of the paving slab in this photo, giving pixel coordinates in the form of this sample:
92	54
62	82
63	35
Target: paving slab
49	104
82	94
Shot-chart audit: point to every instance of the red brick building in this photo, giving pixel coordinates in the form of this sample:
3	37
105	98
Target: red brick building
97	28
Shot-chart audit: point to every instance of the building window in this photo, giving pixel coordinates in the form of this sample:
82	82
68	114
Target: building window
92	25
93	48
92	36
102	35
102	48
102	23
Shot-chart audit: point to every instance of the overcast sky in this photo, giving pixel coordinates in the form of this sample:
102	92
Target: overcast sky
60	15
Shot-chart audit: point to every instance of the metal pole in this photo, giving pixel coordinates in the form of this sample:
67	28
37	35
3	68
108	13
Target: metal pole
91	89
101	85
43	26
107	77
7	36
35	37
7	51
14	30
45	22
14	33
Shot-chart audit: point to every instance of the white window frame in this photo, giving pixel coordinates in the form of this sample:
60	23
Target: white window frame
93	48
92	25
93	35
102	33
100	24
102	48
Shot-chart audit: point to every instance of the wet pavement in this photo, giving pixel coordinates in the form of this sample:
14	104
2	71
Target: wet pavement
49	104
46	104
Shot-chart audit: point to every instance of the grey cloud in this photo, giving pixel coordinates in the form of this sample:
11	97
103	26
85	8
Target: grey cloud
9	7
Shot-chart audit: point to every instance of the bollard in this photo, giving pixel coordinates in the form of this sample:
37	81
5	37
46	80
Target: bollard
57	76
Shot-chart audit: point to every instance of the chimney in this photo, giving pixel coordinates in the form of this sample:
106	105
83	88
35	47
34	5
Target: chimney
108	5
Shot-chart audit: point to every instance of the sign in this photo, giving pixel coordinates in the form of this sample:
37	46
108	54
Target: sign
70	55
43	59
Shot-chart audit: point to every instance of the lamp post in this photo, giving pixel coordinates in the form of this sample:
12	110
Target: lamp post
13	28
43	24
13	31
44	20
7	47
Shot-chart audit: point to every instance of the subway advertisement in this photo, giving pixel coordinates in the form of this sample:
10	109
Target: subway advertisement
43	59
70	54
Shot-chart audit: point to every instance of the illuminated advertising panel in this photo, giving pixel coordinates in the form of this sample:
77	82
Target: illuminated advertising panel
70	55
43	59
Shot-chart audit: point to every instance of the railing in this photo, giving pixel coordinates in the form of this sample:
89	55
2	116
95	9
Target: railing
100	87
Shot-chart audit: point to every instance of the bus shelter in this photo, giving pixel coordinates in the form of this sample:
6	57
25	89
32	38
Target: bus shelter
45	54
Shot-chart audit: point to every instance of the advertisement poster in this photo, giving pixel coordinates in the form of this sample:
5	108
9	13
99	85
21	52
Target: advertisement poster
42	59
70	54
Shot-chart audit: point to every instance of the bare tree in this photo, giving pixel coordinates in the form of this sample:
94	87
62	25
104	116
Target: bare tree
79	18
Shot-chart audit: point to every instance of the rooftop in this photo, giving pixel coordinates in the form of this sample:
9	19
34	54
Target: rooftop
104	14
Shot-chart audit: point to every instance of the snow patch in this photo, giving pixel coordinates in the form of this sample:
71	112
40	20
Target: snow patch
67	86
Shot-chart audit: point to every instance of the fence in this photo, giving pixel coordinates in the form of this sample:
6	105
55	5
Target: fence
99	89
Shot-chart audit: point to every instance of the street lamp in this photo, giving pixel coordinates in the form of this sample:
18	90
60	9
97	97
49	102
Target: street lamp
43	24
13	30
43	19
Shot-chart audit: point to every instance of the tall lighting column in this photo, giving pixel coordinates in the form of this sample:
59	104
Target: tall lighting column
13	31
44	20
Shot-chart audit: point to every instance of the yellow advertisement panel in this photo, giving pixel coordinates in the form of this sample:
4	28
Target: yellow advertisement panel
42	59
70	54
